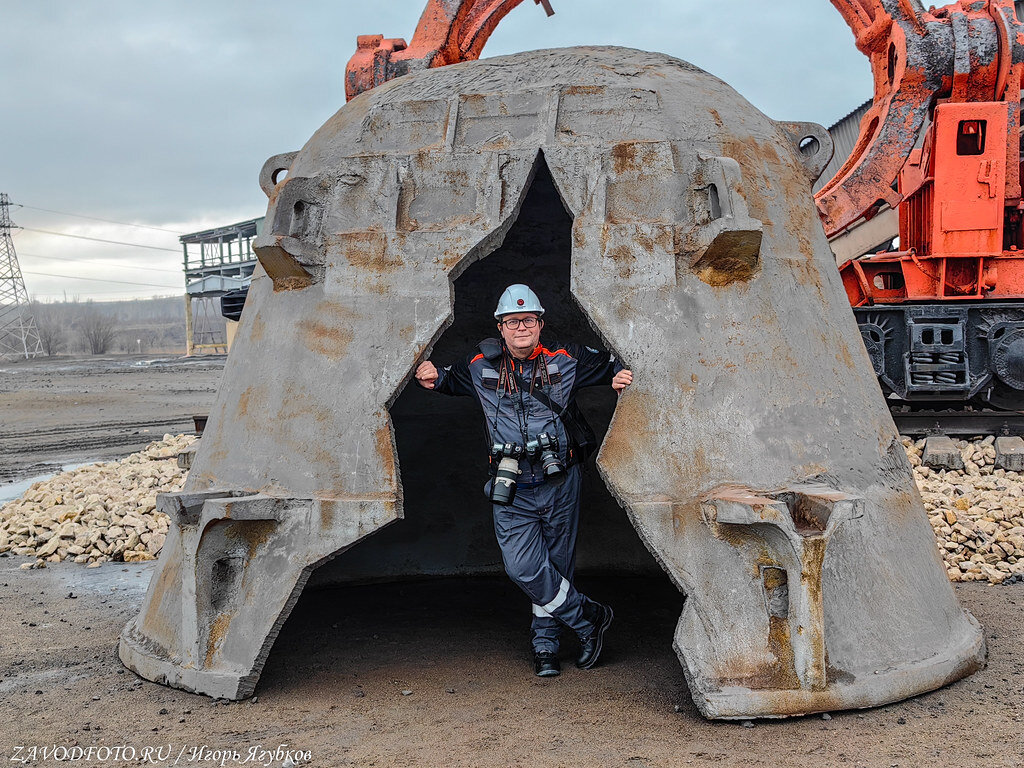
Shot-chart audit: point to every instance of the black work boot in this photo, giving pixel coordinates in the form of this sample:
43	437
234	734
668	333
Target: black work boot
590	647
545	664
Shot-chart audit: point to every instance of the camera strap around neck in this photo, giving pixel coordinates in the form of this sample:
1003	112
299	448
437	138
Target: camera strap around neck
522	416
577	433
538	394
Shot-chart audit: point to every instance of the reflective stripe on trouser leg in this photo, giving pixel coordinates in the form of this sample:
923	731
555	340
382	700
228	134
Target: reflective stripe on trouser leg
547	610
559	524
537	536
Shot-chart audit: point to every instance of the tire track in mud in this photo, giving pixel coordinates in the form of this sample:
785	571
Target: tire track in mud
104	425
83	408
24	453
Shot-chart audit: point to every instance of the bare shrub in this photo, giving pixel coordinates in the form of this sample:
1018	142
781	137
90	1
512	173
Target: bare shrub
98	329
52	330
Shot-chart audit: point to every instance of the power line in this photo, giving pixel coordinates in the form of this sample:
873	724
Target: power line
104	293
98	279
105	263
99	240
97	218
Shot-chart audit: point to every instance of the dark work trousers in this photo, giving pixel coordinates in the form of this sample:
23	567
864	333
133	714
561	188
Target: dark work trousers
537	536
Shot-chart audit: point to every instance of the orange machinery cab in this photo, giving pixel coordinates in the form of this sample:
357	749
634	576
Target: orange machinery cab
959	235
942	318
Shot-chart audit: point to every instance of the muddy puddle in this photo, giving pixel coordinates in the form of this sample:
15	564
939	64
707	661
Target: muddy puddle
14	490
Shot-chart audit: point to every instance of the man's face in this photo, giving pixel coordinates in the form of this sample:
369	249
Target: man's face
521	341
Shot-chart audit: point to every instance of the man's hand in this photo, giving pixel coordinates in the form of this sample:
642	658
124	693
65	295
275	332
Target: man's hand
621	380
426	375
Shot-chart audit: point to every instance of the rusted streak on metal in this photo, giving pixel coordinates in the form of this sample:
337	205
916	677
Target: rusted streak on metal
254	533
218	630
158	619
812	559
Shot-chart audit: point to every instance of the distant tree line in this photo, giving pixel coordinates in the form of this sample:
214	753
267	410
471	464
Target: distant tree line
97	328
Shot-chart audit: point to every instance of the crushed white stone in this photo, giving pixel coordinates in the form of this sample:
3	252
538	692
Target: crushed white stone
977	513
107	511
98	512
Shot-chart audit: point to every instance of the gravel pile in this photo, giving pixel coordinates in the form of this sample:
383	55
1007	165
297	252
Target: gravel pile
97	512
108	511
977	513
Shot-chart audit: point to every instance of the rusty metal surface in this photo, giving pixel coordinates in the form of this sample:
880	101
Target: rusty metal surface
449	31
692	215
962	52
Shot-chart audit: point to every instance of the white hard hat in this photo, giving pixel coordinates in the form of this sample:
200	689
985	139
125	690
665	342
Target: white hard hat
518	298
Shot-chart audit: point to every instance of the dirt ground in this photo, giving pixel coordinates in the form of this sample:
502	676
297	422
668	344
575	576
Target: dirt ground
68	410
435	673
426	673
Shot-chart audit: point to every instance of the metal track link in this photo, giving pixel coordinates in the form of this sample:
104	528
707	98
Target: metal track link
920	423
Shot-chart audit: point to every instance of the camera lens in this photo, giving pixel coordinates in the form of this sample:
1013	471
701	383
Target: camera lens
503	487
554	470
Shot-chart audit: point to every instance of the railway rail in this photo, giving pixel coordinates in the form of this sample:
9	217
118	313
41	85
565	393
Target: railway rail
954	420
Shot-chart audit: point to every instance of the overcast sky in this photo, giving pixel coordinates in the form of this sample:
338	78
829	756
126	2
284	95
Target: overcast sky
161	114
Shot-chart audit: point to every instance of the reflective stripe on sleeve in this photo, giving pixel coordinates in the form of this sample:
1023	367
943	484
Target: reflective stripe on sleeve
539	611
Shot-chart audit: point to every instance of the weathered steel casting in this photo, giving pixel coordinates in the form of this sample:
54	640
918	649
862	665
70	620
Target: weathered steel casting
753	454
967	51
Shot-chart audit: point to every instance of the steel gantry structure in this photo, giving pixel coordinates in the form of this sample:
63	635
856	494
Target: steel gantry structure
217	261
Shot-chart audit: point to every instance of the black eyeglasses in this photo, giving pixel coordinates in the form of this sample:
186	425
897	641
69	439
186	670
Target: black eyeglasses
514	322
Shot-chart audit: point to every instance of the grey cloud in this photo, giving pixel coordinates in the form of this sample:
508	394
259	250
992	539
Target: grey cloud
162	112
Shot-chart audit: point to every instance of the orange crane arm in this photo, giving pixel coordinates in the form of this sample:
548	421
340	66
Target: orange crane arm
449	31
963	52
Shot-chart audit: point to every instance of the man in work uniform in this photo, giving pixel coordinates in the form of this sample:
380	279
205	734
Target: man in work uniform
526	390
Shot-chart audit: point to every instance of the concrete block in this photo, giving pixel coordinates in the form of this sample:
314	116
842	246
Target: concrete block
186	457
940	452
1010	453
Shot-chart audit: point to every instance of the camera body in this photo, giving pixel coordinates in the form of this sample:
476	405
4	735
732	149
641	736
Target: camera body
543	449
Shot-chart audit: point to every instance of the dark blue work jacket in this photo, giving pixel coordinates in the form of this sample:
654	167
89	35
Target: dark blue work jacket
511	412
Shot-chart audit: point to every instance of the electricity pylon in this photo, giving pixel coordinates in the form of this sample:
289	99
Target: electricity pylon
19	336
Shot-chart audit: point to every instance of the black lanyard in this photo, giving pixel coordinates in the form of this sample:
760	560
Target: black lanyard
509	379
518	403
